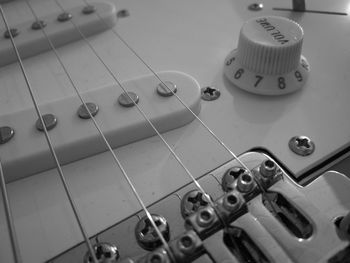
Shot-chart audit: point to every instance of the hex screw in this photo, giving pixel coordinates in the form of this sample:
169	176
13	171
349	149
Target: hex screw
301	145
231	201
245	183
210	93
268	169
205	217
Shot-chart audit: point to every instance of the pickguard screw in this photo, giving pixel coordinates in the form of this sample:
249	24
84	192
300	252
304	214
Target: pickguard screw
210	93
89	9
128	99
166	89
84	114
123	13
6	134
105	252
13	31
147	236
256	7
192	202
39	24
301	145
65	16
50	121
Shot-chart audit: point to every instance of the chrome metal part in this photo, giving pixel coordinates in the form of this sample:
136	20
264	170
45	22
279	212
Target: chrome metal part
123	13
129	99
158	256
245	183
256	7
65	16
187	247
84	114
6	134
302	145
146	235
166	90
210	93
192	201
105	253
13	31
38	24
205	217
50	121
231	201
268	169
231	206
88	9
230	176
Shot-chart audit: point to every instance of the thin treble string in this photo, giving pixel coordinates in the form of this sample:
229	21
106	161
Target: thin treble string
148	214
211	132
9	219
141	111
52	150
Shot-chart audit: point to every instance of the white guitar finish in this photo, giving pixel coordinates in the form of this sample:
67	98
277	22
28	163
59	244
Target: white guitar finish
189	36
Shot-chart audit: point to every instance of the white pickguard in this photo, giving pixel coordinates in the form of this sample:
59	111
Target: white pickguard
189	36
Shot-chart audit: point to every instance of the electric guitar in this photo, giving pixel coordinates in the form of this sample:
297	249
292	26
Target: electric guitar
156	113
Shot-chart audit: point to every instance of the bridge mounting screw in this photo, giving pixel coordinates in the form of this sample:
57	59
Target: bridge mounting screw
105	252
301	145
65	16
6	134
88	9
210	93
38	24
147	236
256	7
12	32
192	202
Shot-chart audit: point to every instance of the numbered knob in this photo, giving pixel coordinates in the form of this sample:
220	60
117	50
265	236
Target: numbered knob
268	58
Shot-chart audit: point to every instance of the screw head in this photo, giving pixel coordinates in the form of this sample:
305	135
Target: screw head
256	7
105	253
230	176
245	182
210	93
166	90
39	24
268	169
187	243
50	121
88	9
147	236
231	201
12	32
84	114
65	16
6	134
128	99
123	13
301	145
192	202
205	217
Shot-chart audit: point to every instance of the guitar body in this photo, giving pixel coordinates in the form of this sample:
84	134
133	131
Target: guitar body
193	37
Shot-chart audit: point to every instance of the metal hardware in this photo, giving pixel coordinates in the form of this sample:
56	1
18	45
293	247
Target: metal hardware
231	201
88	9
301	145
105	253
230	176
166	90
38	24
205	217
50	121
84	114
210	93
245	183
6	134
14	32
192	202
65	16
128	100
268	169
146	235
256	7
123	13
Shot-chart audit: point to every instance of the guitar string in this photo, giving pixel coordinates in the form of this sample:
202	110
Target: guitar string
206	127
9	219
137	106
144	208
52	150
239	255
